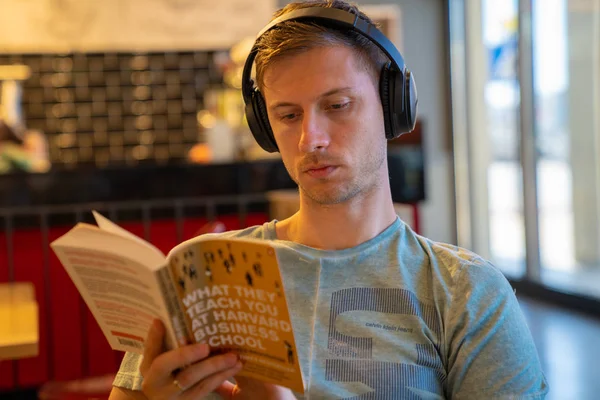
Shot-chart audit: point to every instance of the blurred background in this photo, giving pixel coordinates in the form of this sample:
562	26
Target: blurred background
134	108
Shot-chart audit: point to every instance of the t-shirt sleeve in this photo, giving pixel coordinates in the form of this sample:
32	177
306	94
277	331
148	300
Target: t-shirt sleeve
491	353
128	376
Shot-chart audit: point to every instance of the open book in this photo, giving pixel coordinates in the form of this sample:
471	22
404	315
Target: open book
224	292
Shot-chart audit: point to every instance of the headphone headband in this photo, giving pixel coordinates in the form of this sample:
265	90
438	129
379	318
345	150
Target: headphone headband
333	17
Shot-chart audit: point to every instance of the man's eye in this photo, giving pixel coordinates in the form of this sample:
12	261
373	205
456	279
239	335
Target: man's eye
339	106
287	117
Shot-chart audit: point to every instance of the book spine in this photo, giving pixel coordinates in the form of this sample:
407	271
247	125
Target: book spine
176	314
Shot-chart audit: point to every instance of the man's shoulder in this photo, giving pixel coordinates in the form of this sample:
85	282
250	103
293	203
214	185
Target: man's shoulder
459	262
251	232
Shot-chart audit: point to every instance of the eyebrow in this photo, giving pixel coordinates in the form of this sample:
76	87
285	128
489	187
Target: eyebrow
331	92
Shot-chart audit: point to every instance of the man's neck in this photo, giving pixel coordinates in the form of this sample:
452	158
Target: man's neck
339	226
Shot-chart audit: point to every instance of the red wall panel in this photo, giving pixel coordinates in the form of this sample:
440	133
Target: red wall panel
66	319
163	234
29	250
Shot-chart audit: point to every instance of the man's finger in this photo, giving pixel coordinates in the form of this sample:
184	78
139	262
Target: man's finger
212	383
167	363
225	390
153	345
210	366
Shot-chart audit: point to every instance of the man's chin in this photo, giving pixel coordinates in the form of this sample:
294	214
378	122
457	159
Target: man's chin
329	197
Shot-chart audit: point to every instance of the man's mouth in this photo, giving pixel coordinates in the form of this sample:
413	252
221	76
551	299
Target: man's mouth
320	171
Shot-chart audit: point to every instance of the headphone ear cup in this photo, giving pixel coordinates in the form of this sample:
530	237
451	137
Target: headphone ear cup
258	121
411	100
384	93
399	100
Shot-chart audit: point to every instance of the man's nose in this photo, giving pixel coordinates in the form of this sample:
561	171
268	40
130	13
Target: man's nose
314	133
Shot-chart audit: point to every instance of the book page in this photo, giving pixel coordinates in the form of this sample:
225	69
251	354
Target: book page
107	225
234	300
117	282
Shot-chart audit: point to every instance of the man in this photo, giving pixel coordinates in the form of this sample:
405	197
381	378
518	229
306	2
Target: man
378	311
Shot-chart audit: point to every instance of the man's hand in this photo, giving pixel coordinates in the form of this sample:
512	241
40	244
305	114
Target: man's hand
198	374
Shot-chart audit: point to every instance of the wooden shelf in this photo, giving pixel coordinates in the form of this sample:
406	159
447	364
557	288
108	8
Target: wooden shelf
18	321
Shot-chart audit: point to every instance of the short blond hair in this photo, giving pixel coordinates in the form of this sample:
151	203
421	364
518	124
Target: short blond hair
295	37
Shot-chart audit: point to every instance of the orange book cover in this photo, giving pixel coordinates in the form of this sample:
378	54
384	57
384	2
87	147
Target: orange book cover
233	299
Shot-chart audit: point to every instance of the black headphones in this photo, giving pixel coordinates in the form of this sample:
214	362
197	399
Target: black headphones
396	84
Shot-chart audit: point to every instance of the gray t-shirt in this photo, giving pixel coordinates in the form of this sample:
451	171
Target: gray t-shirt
399	317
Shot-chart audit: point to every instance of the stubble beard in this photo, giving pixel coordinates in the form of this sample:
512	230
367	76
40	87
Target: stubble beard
363	179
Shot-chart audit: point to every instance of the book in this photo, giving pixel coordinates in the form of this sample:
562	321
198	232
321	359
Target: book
226	292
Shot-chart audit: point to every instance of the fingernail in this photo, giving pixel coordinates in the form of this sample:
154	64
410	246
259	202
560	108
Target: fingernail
202	348
232	359
157	325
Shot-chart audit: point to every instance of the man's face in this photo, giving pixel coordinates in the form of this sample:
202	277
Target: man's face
326	116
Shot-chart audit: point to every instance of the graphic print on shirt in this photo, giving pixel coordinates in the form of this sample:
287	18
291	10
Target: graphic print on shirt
354	359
